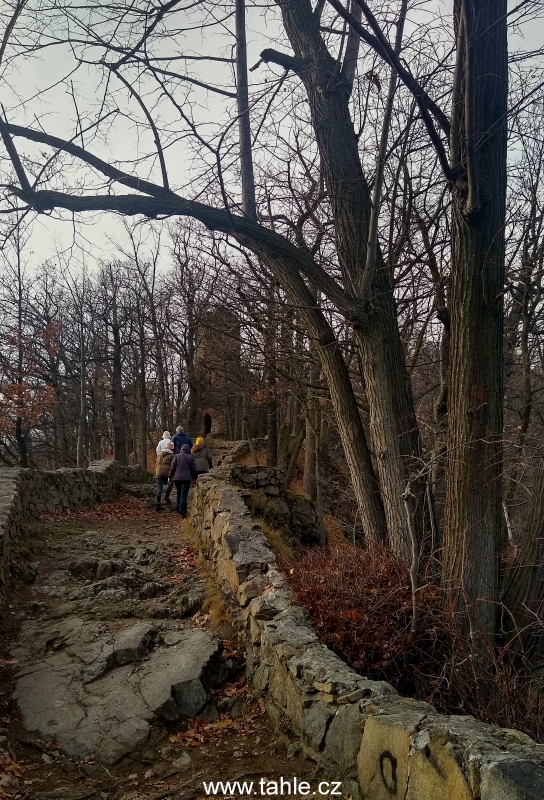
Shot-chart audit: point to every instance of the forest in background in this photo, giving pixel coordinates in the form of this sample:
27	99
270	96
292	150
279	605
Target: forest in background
345	256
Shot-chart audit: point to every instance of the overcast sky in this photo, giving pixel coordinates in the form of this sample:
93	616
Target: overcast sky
95	235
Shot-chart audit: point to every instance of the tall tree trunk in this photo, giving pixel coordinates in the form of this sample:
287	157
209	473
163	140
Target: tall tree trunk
82	429
372	248
62	457
238	413
348	420
159	361
192	405
20	437
272	428
93	427
321	434
310	448
522	313
327	350
193	400
524	593
249	206
440	405
472	525
271	403
117	395
393	424
293	461
143	408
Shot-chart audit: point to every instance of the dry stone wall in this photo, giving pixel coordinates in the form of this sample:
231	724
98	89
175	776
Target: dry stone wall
24	492
380	745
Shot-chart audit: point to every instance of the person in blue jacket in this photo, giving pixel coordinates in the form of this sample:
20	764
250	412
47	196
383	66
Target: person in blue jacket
180	438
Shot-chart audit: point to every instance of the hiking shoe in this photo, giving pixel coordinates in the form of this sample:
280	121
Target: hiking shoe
158	507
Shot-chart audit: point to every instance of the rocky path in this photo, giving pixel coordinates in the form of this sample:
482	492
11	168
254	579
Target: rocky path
117	682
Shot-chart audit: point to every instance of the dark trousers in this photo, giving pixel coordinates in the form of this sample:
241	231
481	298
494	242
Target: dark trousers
169	488
182	490
161	481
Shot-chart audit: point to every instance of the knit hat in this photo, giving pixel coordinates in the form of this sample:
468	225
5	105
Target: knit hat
169	446
199	440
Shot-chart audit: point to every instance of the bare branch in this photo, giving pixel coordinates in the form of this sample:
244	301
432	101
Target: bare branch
15	160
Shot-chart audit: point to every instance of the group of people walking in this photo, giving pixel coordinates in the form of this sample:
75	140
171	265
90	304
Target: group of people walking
178	464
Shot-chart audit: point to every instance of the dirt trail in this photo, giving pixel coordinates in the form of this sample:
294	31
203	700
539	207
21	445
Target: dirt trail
105	654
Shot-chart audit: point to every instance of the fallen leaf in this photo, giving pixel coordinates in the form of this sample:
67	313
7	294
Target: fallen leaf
10	767
200	620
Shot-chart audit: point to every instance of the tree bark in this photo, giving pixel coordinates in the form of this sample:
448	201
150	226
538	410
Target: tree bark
192	403
472	526
20	437
350	427
143	409
524	592
271	400
158	361
393	424
249	206
293	461
117	394
309	485
82	430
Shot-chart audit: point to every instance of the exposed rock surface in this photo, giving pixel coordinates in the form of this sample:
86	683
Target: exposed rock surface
24	492
110	666
92	692
100	664
95	691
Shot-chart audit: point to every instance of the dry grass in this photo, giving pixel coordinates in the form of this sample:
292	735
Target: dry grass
276	540
214	601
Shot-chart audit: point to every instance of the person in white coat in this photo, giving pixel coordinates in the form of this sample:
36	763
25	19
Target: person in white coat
164	441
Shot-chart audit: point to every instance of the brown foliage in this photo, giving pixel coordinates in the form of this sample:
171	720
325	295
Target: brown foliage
360	603
125	508
24	402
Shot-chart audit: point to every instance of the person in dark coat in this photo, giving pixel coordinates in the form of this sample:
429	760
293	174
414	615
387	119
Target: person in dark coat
180	438
202	456
182	472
